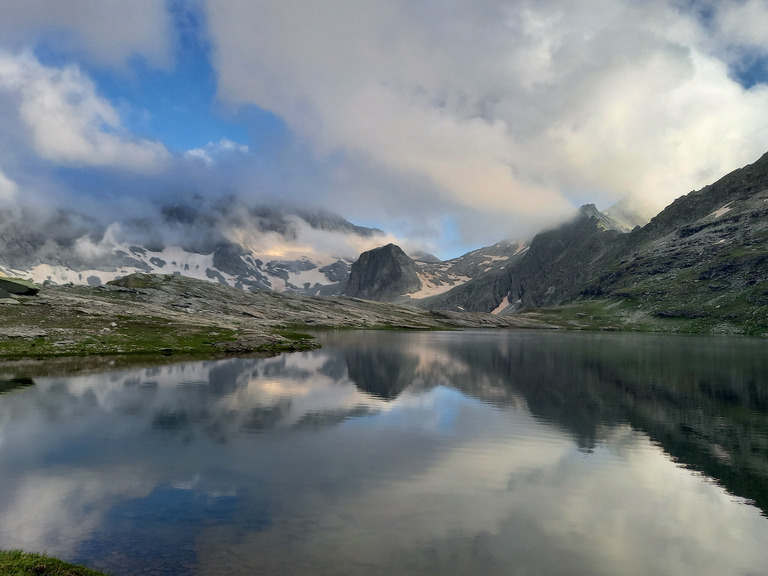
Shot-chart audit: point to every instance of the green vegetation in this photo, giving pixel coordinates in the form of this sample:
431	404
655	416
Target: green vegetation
729	313
37	329
17	286
294	336
81	333
17	563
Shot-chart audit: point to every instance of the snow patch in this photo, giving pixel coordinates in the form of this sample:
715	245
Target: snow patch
501	307
720	211
298	279
429	287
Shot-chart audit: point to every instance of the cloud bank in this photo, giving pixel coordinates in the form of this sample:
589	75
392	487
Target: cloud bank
453	124
519	108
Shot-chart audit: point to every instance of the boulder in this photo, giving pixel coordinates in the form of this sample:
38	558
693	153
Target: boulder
18	286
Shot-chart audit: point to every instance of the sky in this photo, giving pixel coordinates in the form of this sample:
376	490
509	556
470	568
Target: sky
452	124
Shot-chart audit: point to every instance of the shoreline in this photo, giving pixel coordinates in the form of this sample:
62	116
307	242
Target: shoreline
151	317
174	316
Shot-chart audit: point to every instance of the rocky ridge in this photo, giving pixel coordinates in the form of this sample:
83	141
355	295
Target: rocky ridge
550	271
387	274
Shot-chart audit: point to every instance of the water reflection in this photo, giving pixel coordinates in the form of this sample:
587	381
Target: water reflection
449	453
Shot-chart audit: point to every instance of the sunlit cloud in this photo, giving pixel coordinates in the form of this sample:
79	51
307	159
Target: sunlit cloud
517	109
68	122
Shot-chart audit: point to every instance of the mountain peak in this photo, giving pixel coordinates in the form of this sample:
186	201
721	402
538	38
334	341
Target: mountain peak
383	274
604	222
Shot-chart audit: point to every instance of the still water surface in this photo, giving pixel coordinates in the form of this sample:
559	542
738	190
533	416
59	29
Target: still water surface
494	452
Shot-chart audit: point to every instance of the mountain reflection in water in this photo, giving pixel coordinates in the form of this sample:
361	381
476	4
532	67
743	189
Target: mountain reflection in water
402	453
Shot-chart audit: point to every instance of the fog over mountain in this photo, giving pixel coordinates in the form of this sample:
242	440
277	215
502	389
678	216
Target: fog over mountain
226	240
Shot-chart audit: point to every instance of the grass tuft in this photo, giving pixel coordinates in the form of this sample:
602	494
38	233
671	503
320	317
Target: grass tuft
18	563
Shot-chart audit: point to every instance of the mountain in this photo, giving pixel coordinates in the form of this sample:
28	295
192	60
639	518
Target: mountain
248	247
699	265
387	274
549	272
704	258
383	274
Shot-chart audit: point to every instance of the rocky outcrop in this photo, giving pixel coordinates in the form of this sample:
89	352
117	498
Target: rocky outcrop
17	286
384	274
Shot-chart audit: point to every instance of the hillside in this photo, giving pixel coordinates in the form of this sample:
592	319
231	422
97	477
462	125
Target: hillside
700	265
176	315
553	269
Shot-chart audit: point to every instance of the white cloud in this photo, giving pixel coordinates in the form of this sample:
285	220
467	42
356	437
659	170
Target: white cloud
8	188
90	250
521	108
68	122
214	152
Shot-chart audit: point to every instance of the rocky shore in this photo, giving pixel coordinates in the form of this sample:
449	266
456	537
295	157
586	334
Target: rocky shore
179	316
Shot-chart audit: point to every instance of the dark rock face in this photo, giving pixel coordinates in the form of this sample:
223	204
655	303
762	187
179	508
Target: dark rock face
336	272
383	274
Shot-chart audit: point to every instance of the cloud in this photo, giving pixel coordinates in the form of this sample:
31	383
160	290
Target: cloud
518	110
215	152
8	188
89	250
105	32
448	123
741	24
68	122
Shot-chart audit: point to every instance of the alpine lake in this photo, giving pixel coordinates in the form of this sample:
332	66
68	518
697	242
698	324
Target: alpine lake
402	453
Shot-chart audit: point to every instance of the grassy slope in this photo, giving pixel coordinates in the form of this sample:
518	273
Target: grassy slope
17	563
731	314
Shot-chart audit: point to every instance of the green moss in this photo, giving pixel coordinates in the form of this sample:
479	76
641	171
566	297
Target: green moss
293	335
141	281
146	335
17	563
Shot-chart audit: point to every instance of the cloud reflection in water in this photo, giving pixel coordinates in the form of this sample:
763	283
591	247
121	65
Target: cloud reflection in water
450	453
